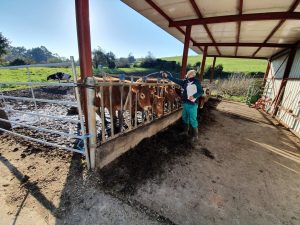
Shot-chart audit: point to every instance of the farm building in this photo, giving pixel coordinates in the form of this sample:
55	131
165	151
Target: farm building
242	29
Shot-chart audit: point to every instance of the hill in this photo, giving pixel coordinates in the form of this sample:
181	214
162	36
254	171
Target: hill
229	64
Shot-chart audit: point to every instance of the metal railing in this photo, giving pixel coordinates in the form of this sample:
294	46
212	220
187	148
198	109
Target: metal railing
127	103
7	105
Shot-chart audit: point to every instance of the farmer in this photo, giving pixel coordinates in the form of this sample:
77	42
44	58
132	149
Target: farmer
192	90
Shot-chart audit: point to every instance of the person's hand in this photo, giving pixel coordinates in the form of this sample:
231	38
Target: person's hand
191	98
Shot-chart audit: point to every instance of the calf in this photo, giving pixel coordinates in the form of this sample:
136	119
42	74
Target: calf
59	76
139	91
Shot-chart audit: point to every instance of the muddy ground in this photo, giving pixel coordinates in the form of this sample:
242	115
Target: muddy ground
244	171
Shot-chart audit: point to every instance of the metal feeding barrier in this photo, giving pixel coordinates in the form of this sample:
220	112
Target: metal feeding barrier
78	135
130	111
121	105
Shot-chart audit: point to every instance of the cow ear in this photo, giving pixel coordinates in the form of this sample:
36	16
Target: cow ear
152	90
135	89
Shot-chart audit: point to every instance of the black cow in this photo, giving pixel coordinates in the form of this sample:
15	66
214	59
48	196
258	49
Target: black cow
59	76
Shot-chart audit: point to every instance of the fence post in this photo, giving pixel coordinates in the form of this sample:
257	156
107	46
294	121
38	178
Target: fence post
91	112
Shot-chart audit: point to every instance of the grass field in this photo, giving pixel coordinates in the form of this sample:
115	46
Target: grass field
39	74
229	64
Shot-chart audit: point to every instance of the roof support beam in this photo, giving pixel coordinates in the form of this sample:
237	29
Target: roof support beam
236	18
269	45
291	9
239	26
199	14
203	63
238	57
185	51
267	72
163	14
286	75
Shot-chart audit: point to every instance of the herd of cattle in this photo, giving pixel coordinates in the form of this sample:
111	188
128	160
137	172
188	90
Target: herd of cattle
152	97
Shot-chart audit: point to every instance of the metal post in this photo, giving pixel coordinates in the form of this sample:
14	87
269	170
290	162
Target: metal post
284	79
267	73
92	131
80	114
203	63
130	104
185	50
212	72
84	47
112	129
103	128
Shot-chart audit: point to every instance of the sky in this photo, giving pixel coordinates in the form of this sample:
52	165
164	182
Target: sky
114	27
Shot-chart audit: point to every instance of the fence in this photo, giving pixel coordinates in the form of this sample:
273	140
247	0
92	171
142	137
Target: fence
37	108
136	103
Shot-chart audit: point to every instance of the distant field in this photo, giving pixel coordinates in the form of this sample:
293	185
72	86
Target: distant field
37	74
229	64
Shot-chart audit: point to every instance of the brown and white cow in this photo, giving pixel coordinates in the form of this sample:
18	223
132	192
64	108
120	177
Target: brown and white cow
142	92
169	92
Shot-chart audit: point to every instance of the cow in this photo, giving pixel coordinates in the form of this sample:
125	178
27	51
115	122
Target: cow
139	91
204	98
59	76
168	90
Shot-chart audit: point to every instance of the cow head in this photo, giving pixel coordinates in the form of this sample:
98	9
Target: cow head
171	93
158	105
143	93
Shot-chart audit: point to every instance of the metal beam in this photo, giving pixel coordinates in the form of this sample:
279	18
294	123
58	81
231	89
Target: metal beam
203	63
239	26
267	72
236	18
268	45
286	75
239	57
163	14
185	50
199	14
291	9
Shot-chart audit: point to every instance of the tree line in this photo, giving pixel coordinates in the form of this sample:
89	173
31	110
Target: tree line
10	55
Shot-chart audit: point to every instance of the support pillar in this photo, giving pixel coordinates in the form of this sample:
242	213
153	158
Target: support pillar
286	75
86	71
212	72
267	72
203	63
185	50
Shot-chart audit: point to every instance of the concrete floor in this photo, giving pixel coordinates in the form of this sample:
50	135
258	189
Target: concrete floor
254	178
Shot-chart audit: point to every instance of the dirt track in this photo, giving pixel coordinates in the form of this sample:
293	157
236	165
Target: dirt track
244	172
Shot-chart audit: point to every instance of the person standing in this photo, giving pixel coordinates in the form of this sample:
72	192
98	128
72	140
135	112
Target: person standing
192	90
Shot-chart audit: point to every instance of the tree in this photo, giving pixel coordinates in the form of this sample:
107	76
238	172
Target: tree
17	62
131	58
111	60
4	43
39	54
123	63
99	58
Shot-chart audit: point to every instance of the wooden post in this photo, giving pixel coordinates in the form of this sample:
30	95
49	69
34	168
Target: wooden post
185	51
203	63
212	72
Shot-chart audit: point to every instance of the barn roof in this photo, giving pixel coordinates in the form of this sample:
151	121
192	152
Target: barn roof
229	28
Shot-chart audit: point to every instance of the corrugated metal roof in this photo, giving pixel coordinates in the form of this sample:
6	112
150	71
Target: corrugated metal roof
226	32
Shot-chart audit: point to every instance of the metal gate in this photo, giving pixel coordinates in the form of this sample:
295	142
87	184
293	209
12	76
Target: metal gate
44	120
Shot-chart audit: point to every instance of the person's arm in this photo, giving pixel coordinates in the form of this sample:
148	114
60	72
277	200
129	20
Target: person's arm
199	90
175	80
